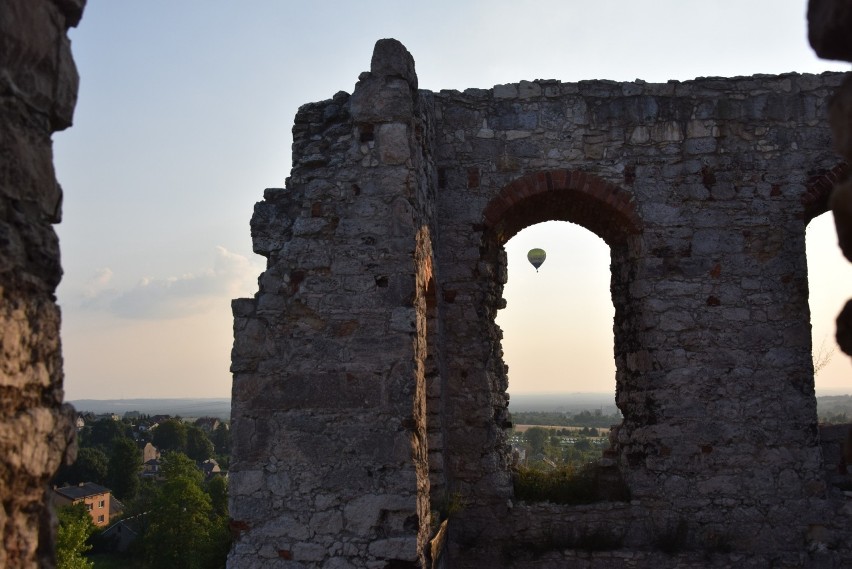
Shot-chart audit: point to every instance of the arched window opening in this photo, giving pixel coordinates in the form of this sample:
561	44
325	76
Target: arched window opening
557	325
558	345
607	220
829	275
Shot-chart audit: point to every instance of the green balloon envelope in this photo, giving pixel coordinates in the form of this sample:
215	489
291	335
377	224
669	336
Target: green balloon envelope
536	257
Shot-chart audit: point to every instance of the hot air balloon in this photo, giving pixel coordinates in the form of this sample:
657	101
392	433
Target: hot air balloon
536	257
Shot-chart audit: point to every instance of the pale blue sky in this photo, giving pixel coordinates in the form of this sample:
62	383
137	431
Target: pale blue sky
184	117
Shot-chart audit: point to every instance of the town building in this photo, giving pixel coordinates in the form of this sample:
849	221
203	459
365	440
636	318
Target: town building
96	497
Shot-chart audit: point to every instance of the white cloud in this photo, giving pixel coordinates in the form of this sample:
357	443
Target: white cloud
98	283
174	297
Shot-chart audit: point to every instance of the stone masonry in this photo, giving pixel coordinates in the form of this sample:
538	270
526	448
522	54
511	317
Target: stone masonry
38	91
369	388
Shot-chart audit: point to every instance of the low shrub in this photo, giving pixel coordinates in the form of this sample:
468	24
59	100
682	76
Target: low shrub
569	485
564	485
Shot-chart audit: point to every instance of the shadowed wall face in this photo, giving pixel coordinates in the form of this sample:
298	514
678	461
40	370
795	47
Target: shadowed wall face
369	386
39	91
830	34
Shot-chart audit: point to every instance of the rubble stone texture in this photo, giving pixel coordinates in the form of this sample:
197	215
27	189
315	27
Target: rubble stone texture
369	396
38	91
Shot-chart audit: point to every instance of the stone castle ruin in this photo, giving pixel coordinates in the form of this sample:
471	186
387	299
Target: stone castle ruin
369	387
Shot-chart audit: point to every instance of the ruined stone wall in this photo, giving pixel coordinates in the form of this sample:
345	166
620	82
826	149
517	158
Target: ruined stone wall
370	394
700	190
329	358
38	91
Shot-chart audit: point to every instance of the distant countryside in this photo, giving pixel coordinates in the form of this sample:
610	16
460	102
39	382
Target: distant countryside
559	443
148	488
575	436
551	439
138	458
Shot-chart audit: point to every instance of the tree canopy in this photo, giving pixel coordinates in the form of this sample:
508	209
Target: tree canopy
537	438
184	531
103	434
92	465
75	527
124	465
177	465
170	435
198	446
221	438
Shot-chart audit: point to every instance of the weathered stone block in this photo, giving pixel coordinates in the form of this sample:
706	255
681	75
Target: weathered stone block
402	548
393	143
391	59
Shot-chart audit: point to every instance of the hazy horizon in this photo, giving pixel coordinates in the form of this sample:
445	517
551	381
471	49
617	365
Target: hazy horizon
193	407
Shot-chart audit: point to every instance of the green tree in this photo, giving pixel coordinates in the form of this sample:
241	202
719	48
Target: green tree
124	465
219	544
92	465
222	439
536	438
103	433
220	533
170	435
75	527
181	528
595	419
217	489
198	446
139	508
178	465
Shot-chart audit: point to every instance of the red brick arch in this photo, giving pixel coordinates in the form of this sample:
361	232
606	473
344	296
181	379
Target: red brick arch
818	190
566	195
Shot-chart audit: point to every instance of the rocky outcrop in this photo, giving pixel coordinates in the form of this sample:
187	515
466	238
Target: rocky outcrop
38	91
